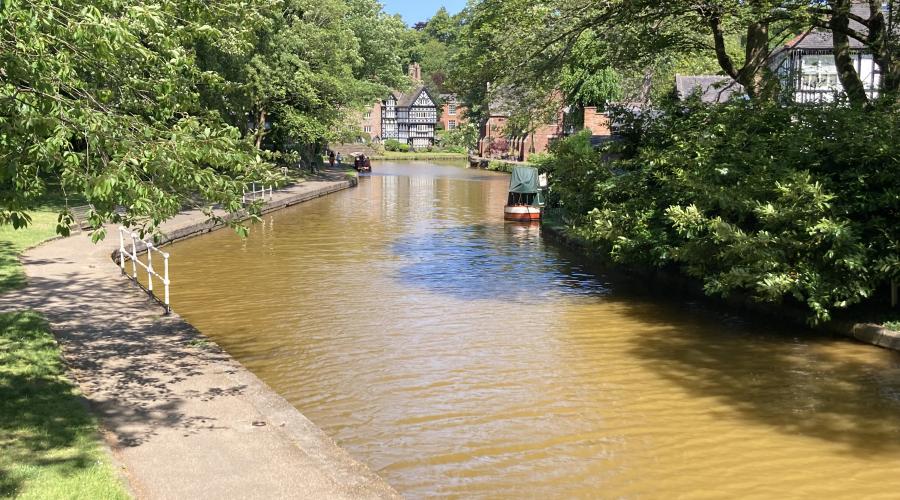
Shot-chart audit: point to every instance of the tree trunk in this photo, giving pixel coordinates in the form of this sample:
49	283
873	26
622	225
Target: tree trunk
756	74
879	41
843	59
890	75
757	79
260	128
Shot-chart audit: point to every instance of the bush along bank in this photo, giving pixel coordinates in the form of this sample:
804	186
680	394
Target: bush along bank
787	204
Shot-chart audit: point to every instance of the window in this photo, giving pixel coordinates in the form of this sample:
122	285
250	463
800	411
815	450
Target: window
367	129
367	115
818	72
451	124
451	109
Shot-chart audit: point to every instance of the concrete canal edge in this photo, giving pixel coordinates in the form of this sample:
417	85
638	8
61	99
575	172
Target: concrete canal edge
868	333
178	232
182	418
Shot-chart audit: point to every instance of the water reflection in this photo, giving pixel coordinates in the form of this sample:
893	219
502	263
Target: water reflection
486	262
461	356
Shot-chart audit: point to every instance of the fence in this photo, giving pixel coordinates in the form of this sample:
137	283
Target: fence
148	267
254	193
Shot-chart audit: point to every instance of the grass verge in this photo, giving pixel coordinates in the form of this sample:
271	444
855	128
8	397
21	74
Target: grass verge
49	443
396	155
14	241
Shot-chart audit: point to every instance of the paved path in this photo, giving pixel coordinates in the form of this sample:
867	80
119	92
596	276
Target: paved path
183	419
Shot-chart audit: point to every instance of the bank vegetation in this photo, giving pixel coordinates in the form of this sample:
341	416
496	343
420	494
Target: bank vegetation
788	203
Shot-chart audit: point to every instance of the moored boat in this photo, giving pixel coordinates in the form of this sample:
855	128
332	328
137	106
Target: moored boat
525	201
521	213
362	163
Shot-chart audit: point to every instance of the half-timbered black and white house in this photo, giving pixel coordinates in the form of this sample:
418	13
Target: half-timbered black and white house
807	68
410	117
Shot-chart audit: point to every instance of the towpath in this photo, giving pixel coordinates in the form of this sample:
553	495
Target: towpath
182	418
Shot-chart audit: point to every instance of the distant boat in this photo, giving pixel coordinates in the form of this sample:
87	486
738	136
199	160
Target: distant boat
525	201
361	163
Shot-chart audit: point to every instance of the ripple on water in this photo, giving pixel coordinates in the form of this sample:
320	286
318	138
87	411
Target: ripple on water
461	356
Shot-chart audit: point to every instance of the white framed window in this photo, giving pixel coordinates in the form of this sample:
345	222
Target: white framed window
367	115
451	109
819	72
367	129
451	124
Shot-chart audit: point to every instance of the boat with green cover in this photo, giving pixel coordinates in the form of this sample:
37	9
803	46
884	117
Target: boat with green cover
525	201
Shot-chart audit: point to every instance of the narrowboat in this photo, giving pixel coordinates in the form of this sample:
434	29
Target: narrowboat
362	163
525	202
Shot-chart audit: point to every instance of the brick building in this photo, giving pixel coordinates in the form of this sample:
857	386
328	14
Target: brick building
453	114
497	142
408	117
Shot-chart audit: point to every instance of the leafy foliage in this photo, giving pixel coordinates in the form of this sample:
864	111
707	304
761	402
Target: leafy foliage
145	107
102	99
785	203
461	139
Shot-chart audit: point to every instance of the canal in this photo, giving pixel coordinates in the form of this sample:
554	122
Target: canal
458	355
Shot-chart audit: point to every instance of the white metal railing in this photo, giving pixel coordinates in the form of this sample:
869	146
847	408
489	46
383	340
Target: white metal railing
147	246
254	193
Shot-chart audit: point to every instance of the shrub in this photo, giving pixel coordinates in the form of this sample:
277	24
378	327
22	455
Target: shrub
784	202
403	148
393	145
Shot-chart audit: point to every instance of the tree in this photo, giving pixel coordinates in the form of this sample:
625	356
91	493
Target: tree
441	27
879	32
432	45
144	107
102	99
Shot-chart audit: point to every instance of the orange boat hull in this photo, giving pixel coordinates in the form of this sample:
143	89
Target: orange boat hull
521	213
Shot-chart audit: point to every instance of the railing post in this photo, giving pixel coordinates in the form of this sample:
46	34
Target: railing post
121	250
893	293
150	268
166	281
133	257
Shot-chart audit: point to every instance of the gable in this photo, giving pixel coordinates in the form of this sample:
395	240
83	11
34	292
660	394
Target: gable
419	97
423	99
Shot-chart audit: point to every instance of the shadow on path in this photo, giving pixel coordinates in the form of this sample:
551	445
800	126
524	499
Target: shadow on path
140	363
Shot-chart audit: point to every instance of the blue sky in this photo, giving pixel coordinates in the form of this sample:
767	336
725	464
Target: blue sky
414	11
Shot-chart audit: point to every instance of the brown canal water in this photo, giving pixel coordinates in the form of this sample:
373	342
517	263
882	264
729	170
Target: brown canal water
461	356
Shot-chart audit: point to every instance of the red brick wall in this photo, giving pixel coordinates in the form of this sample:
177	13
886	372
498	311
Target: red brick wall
539	141
459	117
596	122
373	121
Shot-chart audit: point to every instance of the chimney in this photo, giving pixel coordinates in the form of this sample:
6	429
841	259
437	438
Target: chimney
415	72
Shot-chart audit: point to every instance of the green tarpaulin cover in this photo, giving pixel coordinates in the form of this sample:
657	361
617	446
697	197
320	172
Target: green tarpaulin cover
524	187
524	180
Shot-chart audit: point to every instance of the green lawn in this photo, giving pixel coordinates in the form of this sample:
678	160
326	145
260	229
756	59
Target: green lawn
396	155
14	241
49	443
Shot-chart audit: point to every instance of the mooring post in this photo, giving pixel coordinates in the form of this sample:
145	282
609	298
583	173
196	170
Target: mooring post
893	293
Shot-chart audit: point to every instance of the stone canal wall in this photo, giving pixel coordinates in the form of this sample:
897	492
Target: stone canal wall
188	225
183	419
656	280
